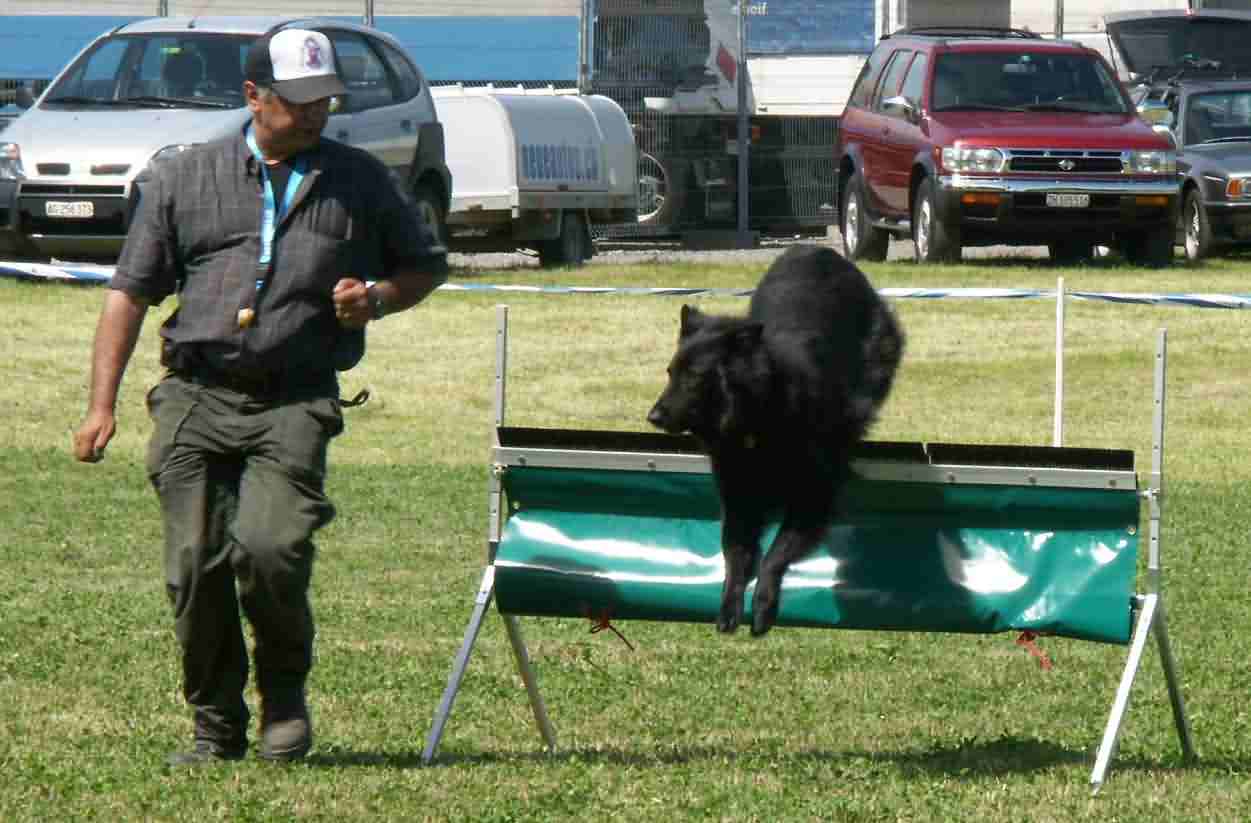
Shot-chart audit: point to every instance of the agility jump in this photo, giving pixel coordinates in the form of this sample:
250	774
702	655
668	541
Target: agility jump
932	537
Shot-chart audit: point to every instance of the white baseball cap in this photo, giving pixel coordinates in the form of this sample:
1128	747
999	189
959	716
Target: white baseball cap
298	64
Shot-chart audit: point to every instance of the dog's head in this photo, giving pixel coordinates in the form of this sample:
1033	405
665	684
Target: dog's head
705	392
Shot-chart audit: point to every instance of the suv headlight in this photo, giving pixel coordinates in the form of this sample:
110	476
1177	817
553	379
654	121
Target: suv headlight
959	159
1153	162
11	162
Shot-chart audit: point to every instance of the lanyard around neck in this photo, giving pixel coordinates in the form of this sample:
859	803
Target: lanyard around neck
270	213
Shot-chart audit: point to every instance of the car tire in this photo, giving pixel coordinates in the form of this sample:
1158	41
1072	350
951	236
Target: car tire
934	240
861	240
1152	249
571	248
1196	229
429	205
1071	252
663	183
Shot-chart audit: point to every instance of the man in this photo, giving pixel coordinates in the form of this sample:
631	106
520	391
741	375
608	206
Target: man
267	238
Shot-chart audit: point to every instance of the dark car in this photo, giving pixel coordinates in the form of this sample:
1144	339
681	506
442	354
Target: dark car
1210	120
973	136
1148	47
1190	74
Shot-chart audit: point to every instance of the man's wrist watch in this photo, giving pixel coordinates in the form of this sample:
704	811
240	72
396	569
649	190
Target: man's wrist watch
377	303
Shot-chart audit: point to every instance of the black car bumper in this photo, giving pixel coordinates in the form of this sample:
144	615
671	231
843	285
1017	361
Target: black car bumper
68	220
1230	222
1011	211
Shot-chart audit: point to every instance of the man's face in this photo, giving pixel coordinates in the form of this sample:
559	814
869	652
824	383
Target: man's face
284	128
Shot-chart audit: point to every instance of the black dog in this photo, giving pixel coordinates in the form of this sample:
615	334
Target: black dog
778	400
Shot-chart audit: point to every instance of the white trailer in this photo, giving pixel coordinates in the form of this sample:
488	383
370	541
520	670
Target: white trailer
532	169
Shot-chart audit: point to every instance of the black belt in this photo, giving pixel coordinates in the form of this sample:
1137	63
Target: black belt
251	385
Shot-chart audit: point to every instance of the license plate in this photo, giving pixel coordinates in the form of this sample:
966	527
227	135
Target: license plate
1068	201
80	208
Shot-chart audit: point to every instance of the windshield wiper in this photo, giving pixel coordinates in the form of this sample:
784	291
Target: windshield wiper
1241	138
80	100
1084	108
175	102
978	107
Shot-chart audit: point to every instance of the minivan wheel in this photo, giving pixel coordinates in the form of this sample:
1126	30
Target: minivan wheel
861	240
933	239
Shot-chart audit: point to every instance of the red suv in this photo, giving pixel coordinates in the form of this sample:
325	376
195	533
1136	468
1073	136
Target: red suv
972	136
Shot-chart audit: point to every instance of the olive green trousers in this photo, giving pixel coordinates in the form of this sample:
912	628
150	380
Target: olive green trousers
241	488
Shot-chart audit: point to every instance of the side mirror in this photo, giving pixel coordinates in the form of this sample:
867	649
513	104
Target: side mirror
24	97
899	106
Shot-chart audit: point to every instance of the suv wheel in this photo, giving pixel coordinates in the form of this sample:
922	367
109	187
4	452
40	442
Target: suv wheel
934	240
1071	252
1196	230
1153	248
861	240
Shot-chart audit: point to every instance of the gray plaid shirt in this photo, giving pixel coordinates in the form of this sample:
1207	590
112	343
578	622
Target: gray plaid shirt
197	235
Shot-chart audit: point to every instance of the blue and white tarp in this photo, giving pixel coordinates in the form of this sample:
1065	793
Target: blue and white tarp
100	275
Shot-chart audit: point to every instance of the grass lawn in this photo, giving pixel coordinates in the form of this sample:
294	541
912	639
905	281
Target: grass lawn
801	725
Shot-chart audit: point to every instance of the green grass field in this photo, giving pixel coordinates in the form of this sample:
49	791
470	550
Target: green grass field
801	725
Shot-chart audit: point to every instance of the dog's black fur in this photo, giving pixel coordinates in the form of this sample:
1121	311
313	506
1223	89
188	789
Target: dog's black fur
778	400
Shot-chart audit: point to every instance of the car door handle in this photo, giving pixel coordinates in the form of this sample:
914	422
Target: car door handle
342	134
406	125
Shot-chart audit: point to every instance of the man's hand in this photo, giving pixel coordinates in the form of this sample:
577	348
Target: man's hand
351	303
93	435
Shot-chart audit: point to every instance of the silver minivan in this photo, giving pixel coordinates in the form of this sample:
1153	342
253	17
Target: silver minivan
152	88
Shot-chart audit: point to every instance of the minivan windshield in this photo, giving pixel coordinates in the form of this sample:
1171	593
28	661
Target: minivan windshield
176	69
1029	81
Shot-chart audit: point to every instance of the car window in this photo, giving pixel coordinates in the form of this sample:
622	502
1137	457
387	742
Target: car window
159	68
1217	116
862	91
914	82
363	72
1025	81
889	86
95	75
406	75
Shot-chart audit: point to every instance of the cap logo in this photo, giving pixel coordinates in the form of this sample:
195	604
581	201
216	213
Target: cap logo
312	54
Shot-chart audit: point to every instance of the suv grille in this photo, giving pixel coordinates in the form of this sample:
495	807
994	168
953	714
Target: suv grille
1065	161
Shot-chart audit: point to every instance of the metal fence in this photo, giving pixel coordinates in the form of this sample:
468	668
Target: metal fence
688	163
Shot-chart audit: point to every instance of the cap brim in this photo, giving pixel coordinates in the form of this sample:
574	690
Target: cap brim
308	89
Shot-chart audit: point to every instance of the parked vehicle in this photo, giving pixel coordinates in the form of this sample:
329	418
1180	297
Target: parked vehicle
1189	73
534	169
1150	47
152	88
962	136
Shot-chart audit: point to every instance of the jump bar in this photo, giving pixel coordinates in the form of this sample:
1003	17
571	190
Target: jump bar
952	463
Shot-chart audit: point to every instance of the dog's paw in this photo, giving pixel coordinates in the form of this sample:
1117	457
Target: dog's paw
762	621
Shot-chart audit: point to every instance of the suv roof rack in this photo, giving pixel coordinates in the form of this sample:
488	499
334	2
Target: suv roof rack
966	31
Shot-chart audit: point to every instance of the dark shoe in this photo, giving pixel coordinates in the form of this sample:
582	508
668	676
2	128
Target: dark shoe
206	752
287	735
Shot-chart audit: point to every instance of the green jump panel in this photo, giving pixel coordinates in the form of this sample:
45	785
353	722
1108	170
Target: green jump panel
910	556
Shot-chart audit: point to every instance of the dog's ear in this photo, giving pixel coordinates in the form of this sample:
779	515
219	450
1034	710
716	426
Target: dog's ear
692	320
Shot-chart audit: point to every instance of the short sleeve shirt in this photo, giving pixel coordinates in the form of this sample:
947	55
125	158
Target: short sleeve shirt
197	235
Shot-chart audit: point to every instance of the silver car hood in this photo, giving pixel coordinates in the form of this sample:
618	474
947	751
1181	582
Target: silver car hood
86	138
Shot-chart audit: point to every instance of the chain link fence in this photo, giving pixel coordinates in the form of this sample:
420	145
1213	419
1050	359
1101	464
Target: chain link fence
646	52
